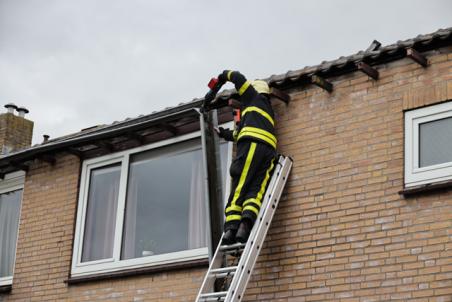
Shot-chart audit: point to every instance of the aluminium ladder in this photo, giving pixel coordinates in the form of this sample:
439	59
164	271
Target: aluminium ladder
235	276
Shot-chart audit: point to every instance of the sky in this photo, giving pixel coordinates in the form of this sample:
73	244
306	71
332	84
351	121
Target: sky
76	64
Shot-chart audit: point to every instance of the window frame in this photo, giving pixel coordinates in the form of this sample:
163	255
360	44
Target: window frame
415	175
12	182
116	263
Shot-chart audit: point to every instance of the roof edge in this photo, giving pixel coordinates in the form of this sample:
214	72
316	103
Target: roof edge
342	65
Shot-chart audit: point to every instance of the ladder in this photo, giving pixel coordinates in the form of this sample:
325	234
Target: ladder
235	276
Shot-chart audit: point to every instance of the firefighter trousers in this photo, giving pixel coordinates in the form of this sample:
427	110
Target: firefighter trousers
250	172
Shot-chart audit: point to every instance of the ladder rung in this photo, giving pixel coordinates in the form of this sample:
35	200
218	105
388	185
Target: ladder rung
213	299
234	253
224	271
218	296
234	246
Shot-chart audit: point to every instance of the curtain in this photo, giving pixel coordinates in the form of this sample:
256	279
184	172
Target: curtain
197	222
101	214
9	225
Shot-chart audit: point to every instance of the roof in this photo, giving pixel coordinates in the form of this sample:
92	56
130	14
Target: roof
342	65
439	38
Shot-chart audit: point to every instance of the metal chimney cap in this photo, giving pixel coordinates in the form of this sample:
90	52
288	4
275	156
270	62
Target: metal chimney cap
11	105
22	109
46	138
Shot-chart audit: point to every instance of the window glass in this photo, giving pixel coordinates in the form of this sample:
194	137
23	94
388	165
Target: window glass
435	142
162	208
165	205
101	213
9	225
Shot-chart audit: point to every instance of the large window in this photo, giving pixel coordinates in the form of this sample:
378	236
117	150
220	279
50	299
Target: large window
10	203
428	144
143	207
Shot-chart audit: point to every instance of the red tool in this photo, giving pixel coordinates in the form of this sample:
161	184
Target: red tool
236	116
215	86
212	83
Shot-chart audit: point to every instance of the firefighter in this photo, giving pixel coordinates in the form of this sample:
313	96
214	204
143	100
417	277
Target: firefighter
255	155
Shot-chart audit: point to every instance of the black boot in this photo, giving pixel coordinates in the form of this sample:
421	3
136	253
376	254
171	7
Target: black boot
244	231
229	237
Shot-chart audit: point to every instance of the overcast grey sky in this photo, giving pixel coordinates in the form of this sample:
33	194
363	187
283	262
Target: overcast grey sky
76	64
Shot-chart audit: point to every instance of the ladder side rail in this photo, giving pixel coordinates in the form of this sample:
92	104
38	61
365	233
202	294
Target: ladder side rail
264	208
265	201
251	258
270	188
265	204
208	282
217	259
238	287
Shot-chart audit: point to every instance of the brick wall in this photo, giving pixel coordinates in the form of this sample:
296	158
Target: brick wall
15	132
44	248
342	231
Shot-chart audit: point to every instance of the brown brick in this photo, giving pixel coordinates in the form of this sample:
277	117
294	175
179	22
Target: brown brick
15	132
342	232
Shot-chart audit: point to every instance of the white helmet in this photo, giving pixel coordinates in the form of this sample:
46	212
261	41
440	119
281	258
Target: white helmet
261	86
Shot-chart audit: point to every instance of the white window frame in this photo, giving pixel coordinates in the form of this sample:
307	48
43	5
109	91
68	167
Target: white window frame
115	263
12	182
415	175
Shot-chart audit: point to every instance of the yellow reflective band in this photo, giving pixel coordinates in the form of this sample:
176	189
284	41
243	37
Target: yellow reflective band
252	200
264	183
235	134
251	208
229	75
233	217
259	136
244	87
258	133
260	111
234	208
249	159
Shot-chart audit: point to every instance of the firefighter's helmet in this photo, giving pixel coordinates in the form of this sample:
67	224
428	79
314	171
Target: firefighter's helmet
261	86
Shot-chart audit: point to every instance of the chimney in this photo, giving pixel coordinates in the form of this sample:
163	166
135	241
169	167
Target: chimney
45	138
16	131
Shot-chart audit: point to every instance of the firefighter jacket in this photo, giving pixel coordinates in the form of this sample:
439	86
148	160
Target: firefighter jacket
257	117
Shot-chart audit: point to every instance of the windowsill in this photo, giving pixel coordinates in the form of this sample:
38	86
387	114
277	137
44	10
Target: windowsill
426	188
5	289
140	271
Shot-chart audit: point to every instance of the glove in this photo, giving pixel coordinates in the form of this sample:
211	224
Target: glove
227	134
210	96
223	77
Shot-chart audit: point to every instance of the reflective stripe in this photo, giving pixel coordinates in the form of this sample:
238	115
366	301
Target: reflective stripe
264	183
249	159
259	136
260	111
229	75
235	134
234	208
233	217
252	200
258	133
251	208
244	87
252	204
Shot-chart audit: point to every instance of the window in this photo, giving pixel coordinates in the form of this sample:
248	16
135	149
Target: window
102	203
143	207
428	144
11	188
